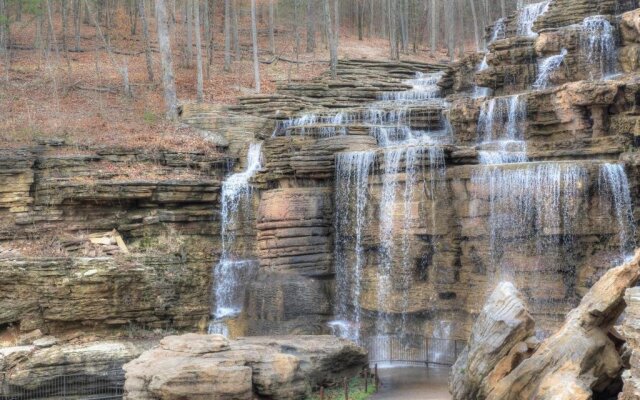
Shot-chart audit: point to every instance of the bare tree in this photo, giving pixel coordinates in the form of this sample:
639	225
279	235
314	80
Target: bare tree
333	45
196	21
254	39
272	39
227	35
311	27
164	42
147	41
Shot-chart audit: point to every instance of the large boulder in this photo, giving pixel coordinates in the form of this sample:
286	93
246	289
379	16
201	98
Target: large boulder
580	359
498	334
209	366
631	332
41	366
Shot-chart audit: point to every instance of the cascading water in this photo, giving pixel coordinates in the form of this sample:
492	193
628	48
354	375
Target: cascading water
548	66
499	30
614	189
352	195
528	16
530	204
500	130
598	46
234	269
404	150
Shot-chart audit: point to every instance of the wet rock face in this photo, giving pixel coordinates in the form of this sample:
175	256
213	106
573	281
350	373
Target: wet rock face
206	366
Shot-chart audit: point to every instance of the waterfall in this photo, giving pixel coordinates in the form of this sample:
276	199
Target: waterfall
483	64
547	67
352	191
501	125
499	30
424	87
234	269
598	46
614	188
531	203
528	16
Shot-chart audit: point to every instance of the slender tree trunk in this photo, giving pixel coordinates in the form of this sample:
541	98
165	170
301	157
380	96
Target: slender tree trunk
272	38
196	22
360	13
254	39
333	50
77	10
4	38
147	41
209	13
311	27
63	10
188	8
296	30
227	35
434	26
236	34
164	43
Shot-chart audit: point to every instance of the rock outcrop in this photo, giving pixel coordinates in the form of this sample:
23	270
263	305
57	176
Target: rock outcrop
210	366
631	332
38	369
498	339
577	361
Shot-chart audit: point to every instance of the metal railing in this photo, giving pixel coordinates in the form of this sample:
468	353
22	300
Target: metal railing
108	385
412	349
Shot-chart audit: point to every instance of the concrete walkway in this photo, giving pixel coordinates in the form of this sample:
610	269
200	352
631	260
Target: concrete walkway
413	383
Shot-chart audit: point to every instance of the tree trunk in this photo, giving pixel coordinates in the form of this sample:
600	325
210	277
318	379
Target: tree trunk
311	27
4	38
333	50
188	20
63	10
77	10
434	26
195	4
272	38
360	13
236	34
164	43
227	35
254	39
147	41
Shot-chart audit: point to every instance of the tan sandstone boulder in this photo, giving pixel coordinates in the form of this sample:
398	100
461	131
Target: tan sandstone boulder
210	367
580	358
498	335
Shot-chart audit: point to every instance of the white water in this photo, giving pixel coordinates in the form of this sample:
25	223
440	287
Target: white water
234	269
614	189
500	130
351	199
528	16
499	30
598	46
530	204
548	66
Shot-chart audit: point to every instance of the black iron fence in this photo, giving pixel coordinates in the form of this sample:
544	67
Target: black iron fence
411	349
107	385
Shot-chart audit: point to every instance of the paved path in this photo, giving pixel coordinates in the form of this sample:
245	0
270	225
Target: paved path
413	384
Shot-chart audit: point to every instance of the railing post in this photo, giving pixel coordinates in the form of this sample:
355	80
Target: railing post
366	380
376	378
346	388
